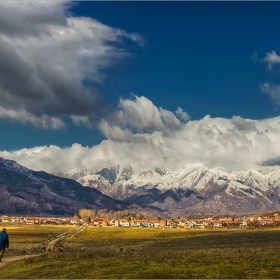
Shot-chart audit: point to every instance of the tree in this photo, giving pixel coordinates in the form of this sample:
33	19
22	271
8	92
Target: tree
87	214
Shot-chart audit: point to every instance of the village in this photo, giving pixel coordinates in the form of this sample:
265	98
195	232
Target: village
250	222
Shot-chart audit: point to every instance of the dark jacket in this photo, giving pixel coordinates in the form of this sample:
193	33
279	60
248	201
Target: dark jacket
4	240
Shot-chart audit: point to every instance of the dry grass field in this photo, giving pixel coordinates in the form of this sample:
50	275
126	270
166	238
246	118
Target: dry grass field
26	238
103	253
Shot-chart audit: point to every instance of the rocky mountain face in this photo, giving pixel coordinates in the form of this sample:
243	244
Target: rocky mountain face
189	190
160	191
28	192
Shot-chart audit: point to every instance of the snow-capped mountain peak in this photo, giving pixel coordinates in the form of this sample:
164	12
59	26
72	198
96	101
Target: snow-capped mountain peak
191	187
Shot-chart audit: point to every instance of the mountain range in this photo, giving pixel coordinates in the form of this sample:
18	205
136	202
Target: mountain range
161	191
192	189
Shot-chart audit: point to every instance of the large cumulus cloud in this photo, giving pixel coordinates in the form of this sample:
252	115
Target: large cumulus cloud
140	115
48	58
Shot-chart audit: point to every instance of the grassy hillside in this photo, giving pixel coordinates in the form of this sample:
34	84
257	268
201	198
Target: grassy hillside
102	253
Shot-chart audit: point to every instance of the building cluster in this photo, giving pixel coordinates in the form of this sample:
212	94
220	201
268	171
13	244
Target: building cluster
226	222
41	220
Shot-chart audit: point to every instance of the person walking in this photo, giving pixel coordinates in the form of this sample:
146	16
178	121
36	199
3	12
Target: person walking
4	242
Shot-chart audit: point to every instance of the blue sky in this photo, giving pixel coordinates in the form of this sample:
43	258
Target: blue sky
197	55
208	58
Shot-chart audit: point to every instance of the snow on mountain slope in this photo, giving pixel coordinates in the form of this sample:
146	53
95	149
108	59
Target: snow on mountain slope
191	188
194	176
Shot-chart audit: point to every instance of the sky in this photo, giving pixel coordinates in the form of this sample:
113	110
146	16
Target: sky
140	83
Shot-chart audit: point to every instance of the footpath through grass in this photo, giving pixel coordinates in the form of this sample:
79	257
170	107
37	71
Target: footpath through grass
104	253
26	238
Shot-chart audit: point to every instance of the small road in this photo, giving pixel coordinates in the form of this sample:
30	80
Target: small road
46	246
8	260
56	242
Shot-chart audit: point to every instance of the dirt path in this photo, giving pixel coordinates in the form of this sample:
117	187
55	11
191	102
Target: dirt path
8	260
49	246
56	242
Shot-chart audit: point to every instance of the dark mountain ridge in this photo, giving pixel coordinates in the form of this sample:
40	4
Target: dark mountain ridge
28	192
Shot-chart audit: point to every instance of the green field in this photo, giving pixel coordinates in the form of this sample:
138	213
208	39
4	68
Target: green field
104	253
27	238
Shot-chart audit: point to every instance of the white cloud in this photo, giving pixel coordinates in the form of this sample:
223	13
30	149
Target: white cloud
139	115
143	116
46	58
81	120
230	143
273	91
132	36
243	124
114	132
182	115
27	118
169	119
271	59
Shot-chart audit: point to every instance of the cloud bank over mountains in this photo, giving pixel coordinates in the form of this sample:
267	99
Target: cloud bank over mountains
235	143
